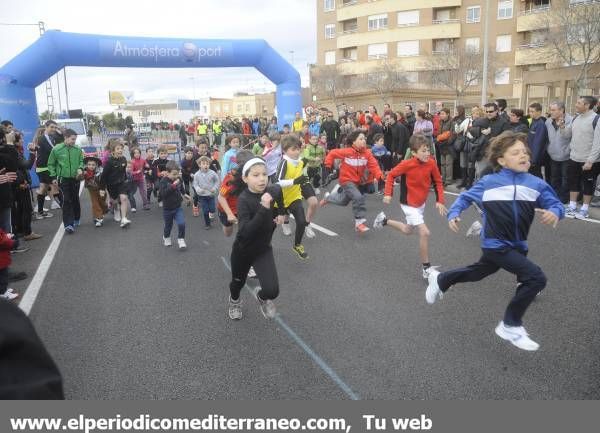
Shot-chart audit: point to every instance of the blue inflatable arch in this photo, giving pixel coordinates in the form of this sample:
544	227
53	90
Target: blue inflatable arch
55	49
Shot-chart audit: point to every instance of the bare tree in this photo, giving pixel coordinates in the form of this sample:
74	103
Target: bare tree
385	80
329	81
458	70
572	36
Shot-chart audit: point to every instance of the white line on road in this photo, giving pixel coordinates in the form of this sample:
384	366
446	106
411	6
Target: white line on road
589	220
307	349
33	289
320	228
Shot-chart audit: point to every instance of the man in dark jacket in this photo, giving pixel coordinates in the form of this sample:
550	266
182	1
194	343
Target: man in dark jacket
396	137
410	118
332	128
45	144
537	139
498	124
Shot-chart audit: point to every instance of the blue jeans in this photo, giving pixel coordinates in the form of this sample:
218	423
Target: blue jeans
174	214
208	206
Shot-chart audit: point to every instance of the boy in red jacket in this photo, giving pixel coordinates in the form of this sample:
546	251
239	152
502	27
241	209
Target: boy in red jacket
6	244
356	159
415	184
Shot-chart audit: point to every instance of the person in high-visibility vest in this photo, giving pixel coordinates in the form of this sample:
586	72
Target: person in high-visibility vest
298	123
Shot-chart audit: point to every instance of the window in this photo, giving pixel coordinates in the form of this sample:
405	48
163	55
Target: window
377	51
472	45
473	14
408	18
377	22
350	54
350	26
505	9
328	5
408	48
502	76
329	31
330	57
503	43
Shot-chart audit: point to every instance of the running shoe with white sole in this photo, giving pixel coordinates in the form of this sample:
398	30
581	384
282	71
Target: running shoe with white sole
517	335
379	220
429	270
251	272
235	309
433	291
475	229
125	222
267	308
167	242
181	244
286	229
309	232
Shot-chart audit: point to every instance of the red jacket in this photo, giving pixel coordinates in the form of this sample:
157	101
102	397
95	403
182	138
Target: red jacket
416	181
354	164
137	168
436	124
6	244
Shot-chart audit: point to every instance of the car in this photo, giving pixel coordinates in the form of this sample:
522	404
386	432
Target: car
77	125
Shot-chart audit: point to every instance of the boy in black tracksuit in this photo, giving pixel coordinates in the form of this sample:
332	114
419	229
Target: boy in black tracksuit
159	167
171	191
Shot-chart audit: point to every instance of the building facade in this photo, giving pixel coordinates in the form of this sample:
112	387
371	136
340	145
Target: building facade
357	37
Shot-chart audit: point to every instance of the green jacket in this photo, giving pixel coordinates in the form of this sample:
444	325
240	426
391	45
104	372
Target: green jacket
311	153
64	161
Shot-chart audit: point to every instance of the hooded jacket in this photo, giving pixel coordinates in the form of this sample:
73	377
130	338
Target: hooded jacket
537	139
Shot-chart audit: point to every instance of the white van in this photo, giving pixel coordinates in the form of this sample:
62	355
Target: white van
77	125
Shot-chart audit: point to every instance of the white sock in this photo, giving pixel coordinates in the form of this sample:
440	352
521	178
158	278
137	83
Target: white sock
585	207
573	204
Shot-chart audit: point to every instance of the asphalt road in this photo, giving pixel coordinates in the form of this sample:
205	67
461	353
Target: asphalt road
126	318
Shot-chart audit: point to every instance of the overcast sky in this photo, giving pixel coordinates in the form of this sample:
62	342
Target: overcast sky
287	25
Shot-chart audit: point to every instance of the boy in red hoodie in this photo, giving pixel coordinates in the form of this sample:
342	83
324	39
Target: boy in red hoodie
415	184
356	159
6	244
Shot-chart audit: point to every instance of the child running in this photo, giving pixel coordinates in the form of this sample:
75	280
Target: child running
314	154
291	178
356	158
233	143
252	246
509	200
417	173
205	185
114	179
172	193
91	181
138	167
150	175
159	167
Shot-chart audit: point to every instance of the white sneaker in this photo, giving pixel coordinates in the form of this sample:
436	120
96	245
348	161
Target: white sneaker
235	309
475	229
167	242
9	295
98	222
117	215
181	244
429	270
433	289
378	223
160	204
54	205
309	232
286	229
133	210
517	335
267	308
125	222
251	272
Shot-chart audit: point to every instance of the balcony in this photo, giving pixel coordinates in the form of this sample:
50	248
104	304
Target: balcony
350	31
353	9
373	65
446	21
437	31
534	18
533	54
377	56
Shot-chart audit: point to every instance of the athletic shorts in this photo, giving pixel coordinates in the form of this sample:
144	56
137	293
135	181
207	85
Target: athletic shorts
307	191
414	215
223	219
115	190
44	177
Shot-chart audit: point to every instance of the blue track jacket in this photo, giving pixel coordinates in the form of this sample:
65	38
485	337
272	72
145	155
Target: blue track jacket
508	200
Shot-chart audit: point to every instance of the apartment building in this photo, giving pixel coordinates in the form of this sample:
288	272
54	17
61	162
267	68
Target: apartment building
358	36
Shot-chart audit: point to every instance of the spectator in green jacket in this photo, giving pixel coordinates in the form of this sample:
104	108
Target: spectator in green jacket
65	166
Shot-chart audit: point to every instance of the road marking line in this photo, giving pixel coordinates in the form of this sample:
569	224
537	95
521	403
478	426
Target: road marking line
589	220
320	228
33	289
206	242
307	349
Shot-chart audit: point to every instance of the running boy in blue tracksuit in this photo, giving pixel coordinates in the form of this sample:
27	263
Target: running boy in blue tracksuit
509	199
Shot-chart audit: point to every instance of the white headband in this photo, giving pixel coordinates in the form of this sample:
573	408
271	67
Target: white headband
250	163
